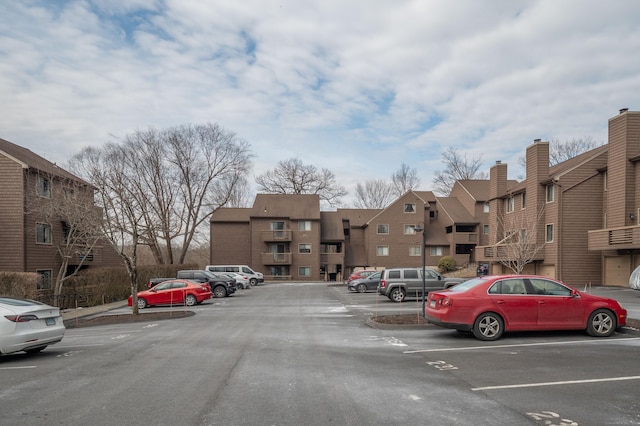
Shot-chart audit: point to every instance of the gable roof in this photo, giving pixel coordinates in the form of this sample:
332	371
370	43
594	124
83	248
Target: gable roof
455	211
293	206
29	160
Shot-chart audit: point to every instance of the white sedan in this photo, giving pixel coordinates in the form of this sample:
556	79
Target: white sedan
27	325
242	281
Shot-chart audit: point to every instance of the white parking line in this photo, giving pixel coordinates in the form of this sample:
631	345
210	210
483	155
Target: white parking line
474	348
566	382
18	368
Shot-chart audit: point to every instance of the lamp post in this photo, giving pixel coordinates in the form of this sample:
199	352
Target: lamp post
422	229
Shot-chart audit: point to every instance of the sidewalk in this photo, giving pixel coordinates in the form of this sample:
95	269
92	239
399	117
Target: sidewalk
71	314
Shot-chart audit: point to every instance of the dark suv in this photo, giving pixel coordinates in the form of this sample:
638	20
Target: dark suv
221	285
399	283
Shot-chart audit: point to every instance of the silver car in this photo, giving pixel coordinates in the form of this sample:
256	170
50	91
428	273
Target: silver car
27	325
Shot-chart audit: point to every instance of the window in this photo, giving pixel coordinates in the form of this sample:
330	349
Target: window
485	229
409	207
409	229
549	235
43	233
411	274
524	200
550	193
510	203
435	251
382	250
43	187
44	281
485	208
304	248
414	251
383	229
304	225
278	229
304	271
547	287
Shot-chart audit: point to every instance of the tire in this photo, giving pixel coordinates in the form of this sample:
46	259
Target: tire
254	281
602	323
488	326
190	300
397	295
362	288
35	350
219	291
142	303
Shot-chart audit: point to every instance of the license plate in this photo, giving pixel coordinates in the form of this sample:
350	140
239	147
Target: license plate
432	304
50	321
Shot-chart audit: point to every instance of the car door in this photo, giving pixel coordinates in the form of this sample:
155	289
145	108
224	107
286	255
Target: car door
557	307
178	291
160	294
518	308
433	281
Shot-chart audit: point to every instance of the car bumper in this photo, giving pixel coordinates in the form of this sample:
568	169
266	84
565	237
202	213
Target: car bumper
26	341
445	324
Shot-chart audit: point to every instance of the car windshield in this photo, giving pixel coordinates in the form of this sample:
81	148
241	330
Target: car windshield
468	285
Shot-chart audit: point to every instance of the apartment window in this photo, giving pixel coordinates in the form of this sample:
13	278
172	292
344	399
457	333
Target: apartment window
304	248
304	225
550	193
549	235
43	186
383	229
435	251
382	250
524	200
414	251
485	229
44	281
409	207
485	208
304	271
43	233
510	204
409	229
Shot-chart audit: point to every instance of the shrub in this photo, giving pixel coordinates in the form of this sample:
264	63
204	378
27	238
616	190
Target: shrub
447	264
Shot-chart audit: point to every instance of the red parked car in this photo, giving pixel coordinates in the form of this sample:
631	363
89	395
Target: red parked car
358	275
173	292
490	305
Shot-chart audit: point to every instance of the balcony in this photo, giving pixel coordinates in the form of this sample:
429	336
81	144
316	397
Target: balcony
276	258
332	258
276	236
625	238
503	251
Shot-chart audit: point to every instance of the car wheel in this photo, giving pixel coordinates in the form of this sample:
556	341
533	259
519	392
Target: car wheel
142	303
397	295
254	281
190	300
35	350
488	326
602	323
220	291
362	288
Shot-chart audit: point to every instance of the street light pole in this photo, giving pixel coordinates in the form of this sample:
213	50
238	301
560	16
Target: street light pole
422	229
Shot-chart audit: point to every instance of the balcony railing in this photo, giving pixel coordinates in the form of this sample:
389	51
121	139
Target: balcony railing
276	258
280	235
332	258
499	251
624	238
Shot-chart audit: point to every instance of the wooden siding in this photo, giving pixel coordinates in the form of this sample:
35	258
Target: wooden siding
11	216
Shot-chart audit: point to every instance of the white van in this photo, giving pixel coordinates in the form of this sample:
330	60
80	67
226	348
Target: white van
254	277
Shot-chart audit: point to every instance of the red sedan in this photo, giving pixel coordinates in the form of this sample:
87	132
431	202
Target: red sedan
173	292
490	305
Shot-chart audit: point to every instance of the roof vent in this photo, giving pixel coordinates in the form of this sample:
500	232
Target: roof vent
498	162
537	140
624	110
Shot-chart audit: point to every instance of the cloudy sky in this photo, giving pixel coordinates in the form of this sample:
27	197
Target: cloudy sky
355	86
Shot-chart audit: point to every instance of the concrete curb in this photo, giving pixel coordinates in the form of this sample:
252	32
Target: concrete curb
71	314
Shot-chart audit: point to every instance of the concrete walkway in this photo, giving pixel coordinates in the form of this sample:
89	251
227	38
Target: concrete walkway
71	314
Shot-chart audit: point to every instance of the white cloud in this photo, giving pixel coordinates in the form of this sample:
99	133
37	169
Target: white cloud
358	87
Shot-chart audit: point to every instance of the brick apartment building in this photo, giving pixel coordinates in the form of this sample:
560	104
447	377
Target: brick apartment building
585	213
27	240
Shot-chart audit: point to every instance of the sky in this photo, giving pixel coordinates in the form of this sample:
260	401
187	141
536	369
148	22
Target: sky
358	87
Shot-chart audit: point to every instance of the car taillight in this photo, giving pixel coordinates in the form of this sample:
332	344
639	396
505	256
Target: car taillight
445	301
21	318
383	283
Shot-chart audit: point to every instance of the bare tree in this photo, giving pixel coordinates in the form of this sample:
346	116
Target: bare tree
374	194
522	241
404	179
73	206
293	177
240	192
457	167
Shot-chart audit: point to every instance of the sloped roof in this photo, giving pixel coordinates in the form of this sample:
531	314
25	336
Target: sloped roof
293	206
358	217
231	214
454	211
426	196
30	160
